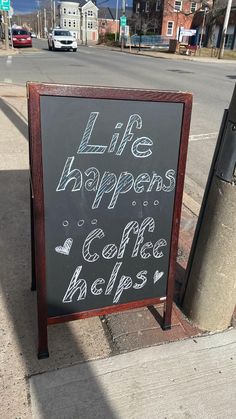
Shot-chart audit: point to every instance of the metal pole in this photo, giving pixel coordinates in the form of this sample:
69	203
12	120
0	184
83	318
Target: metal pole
123	7
45	23
81	27
6	29
38	16
54	13
117	1
86	28
210	295
224	31
10	28
51	9
203	28
140	34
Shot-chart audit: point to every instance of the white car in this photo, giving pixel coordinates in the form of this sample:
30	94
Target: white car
61	39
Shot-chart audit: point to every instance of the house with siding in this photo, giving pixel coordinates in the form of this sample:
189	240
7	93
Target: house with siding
80	18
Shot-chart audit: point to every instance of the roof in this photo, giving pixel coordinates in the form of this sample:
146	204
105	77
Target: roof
110	12
79	2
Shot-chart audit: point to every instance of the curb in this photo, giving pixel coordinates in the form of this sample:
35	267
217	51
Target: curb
171	56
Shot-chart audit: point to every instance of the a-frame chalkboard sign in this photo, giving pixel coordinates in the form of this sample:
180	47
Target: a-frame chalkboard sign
107	173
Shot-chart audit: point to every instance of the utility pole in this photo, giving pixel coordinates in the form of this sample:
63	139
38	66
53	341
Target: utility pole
117	1
203	26
86	30
224	30
38	20
6	29
51	14
54	13
210	294
45	23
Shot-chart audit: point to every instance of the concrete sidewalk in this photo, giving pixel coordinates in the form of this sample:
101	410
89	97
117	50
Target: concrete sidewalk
22	394
188	379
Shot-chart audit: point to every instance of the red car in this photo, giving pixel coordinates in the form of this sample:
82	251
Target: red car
21	38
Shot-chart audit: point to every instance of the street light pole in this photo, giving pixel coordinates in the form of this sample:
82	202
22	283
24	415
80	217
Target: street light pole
6	29
45	23
224	31
117	1
140	33
203	27
86	27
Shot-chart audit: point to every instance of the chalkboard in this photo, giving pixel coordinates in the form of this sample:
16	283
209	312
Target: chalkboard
107	169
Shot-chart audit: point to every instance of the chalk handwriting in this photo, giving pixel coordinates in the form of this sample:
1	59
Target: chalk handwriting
140	148
75	285
78	287
157	275
92	250
65	248
111	185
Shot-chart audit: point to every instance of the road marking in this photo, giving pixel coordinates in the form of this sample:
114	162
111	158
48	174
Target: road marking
200	137
9	60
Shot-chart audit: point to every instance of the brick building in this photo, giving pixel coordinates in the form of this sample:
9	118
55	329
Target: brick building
169	17
165	17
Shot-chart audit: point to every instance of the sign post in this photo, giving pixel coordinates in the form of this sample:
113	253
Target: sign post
107	201
123	21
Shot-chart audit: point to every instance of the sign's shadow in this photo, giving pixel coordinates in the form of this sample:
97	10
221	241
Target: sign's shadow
19	315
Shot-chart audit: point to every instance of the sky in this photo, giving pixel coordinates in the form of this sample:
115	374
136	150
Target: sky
24	6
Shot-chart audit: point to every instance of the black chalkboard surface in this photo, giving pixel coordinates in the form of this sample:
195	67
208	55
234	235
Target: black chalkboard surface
107	169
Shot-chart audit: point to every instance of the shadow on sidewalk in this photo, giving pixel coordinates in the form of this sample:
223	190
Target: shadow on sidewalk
14	118
19	304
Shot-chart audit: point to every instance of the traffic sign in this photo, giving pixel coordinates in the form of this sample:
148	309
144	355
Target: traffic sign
5	5
123	20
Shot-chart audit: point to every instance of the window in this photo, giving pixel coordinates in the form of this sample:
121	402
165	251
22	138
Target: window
170	27
69	23
90	13
158	5
74	12
64	10
178	5
69	12
193	7
137	7
90	25
64	22
147	7
74	24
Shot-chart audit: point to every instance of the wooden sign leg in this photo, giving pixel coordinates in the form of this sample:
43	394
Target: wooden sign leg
42	338
167	314
33	273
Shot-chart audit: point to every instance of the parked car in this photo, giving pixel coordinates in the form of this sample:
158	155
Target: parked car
21	38
33	35
61	39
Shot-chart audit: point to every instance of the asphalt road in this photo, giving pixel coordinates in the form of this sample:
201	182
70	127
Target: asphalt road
211	84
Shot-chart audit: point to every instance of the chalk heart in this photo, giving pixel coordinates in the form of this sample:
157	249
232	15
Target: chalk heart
65	249
157	275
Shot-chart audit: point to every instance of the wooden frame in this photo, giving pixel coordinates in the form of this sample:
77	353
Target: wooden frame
35	91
